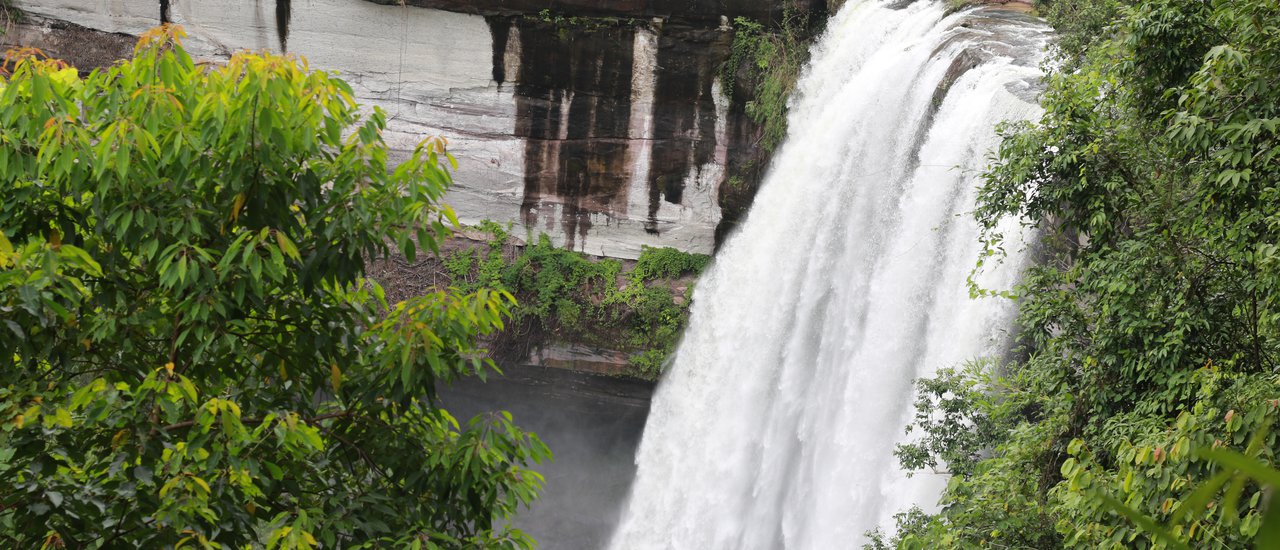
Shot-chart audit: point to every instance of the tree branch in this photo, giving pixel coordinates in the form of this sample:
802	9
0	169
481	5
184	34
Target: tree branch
256	421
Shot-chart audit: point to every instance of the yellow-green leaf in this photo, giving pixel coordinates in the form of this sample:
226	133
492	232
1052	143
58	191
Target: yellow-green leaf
67	78
287	246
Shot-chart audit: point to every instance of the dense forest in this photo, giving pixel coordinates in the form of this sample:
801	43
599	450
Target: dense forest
1137	410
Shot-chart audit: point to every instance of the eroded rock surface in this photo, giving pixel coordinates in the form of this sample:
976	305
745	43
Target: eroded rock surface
689	10
608	134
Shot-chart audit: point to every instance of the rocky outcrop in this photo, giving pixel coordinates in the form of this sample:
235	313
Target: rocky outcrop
607	133
576	312
82	47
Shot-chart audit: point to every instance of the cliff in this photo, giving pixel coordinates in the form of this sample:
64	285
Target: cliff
599	123
683	10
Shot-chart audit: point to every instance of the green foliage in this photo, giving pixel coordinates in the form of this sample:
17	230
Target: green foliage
566	23
571	296
650	363
956	412
996	497
194	357
1171	476
1239	471
666	263
550	276
770	61
907	524
1081	24
1149	328
460	264
747	36
957	5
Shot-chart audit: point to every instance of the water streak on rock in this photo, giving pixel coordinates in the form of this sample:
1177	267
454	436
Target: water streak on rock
284	12
573	106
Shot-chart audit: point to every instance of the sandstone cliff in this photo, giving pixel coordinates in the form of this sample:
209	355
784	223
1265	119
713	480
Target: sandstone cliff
599	123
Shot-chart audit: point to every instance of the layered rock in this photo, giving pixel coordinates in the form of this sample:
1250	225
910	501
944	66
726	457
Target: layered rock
608	134
685	10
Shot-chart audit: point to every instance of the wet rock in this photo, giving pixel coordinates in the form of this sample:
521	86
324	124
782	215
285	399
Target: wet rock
608	134
573	91
706	11
580	358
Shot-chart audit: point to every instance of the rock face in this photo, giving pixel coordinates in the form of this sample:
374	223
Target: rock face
688	10
83	47
608	133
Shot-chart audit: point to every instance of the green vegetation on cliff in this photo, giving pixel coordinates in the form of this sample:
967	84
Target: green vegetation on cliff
571	297
1140	412
192	354
763	67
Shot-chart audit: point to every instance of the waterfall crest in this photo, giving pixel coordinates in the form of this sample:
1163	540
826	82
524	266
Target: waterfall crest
775	426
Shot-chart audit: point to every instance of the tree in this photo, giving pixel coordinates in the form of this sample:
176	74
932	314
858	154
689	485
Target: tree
1150	327
193	356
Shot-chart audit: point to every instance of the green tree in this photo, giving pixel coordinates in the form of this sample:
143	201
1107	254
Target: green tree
1149	327
193	355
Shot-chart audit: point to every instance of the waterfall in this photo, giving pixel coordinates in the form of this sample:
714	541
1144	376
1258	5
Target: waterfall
776	423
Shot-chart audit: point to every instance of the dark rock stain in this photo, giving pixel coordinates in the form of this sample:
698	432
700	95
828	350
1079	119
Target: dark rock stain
684	130
284	12
573	94
745	168
573	100
499	30
164	12
573	103
707	12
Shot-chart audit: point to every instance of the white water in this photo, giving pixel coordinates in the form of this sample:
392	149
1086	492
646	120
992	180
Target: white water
776	424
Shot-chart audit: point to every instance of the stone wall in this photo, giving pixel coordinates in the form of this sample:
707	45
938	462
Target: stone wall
606	133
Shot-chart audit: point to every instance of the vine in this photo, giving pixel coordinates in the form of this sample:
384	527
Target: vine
770	61
9	15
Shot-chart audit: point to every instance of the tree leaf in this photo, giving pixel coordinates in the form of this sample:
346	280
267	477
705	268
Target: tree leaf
1142	521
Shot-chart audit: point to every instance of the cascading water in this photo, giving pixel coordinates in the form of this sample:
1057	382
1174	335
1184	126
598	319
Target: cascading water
776	424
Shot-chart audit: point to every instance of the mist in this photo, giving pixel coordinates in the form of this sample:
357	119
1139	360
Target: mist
592	424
